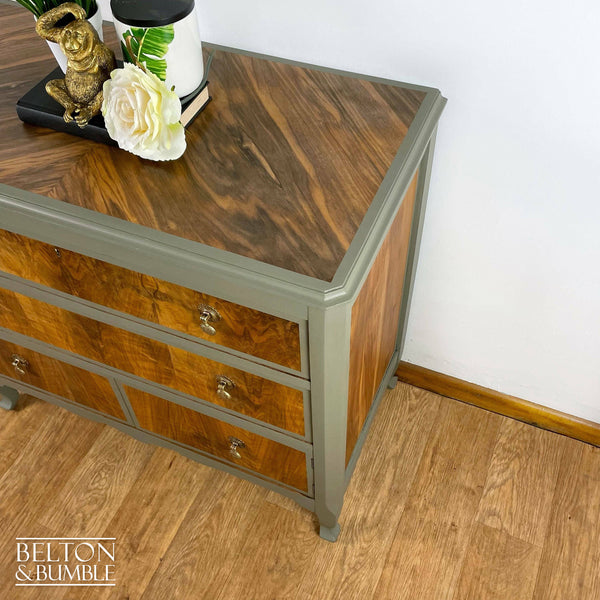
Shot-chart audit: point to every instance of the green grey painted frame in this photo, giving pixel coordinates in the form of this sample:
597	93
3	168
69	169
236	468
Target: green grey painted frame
164	335
188	263
389	379
14	387
324	306
8	398
193	402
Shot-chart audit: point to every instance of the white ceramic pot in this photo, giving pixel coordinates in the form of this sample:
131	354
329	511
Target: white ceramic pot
185	65
59	55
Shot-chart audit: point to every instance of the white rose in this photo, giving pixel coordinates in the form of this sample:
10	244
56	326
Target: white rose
142	114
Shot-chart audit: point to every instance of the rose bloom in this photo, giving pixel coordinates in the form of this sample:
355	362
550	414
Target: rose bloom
142	114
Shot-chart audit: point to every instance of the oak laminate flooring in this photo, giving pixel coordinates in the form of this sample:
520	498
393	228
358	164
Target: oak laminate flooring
498	566
375	499
8	557
525	460
102	479
435	528
409	529
151	519
93	493
18	425
569	563
277	553
48	457
208	544
46	462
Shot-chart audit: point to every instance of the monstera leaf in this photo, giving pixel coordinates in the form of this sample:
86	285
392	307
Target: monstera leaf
148	47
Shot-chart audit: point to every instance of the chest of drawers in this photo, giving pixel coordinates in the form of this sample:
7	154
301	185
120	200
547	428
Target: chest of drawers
245	305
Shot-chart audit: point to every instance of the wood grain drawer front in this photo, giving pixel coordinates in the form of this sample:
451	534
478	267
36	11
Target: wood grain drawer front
252	332
215	437
57	377
251	395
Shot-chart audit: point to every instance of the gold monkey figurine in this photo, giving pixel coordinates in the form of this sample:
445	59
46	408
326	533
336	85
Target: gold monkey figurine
89	63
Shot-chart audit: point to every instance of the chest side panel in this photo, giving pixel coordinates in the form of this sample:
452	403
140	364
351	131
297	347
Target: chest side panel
375	319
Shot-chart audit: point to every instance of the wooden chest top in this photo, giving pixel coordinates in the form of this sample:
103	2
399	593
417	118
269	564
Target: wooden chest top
281	167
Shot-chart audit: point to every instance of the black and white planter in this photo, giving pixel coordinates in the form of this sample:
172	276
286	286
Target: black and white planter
184	66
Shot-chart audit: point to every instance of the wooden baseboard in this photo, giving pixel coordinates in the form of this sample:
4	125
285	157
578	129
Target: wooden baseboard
503	404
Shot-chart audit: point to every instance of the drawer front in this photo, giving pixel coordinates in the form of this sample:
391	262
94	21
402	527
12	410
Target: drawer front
252	332
220	439
250	395
57	377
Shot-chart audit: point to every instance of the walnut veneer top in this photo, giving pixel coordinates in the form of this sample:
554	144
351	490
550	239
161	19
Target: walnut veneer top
281	166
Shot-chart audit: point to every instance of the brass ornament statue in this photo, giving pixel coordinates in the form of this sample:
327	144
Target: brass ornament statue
89	63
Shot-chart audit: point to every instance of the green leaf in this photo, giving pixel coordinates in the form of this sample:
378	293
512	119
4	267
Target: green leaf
150	47
39	7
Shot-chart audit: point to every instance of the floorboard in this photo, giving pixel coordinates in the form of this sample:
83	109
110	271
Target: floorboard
569	564
448	501
432	536
521	479
498	566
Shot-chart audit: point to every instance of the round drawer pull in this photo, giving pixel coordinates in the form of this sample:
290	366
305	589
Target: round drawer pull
208	315
20	364
57	252
224	386
234	444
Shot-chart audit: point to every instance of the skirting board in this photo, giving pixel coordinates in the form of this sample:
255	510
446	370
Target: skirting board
503	404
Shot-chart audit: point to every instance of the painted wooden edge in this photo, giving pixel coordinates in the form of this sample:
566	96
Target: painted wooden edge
314	67
212	270
124	402
367	241
389	379
416	233
329	332
9	397
155	331
498	402
177	260
220	413
155	440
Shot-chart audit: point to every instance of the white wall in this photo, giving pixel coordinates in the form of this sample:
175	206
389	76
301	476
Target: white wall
507	293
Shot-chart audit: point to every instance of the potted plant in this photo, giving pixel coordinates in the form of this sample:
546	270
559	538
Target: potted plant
39	7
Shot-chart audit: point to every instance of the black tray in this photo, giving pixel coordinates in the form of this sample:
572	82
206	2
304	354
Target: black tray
38	108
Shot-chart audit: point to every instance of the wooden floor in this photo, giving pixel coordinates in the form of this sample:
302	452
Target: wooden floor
447	502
